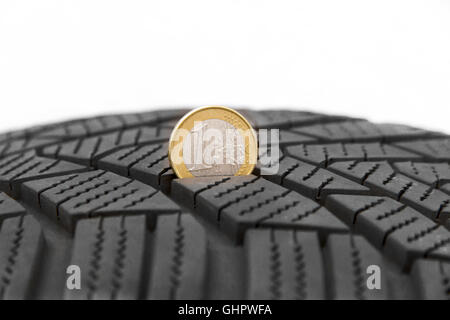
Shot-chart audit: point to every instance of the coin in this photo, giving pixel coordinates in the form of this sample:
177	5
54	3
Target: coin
212	141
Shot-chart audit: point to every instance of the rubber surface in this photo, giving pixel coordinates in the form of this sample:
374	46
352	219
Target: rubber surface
99	193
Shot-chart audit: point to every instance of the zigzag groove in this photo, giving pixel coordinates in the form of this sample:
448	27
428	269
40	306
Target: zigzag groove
422	233
95	261
141	199
275	269
119	261
367	207
262	203
177	259
209	186
81	182
103	193
236	187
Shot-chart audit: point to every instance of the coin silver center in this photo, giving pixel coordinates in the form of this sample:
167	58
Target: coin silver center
213	147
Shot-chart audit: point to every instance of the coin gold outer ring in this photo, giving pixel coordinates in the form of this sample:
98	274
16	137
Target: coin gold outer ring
244	128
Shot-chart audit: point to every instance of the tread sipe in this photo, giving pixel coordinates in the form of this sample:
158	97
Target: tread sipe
100	194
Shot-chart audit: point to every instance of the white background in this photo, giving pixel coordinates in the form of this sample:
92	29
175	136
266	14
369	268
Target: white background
388	61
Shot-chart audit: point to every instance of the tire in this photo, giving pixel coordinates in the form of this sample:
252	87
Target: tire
349	194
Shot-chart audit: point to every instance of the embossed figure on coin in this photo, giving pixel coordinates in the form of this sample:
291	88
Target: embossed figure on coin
213	147
212	141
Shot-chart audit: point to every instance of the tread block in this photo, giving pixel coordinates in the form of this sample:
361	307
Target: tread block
401	232
86	127
9	207
97	125
103	124
325	154
180	259
242	202
362	130
23	144
285	118
148	163
283	264
71	197
18	168
287	138
383	180
110	253
167	114
434	148
87	150
21	242
434	174
17	134
432	278
313	182
348	257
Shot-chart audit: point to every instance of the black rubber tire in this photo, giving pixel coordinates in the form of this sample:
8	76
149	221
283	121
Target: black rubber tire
99	193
